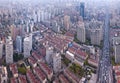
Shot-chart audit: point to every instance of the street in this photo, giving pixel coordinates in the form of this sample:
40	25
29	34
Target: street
105	67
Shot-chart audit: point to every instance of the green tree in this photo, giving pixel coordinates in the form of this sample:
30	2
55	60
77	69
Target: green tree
22	70
17	57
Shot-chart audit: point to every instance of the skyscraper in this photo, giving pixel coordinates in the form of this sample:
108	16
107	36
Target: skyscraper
1	49
117	52
49	53
94	31
57	62
19	44
27	47
67	22
95	36
13	31
82	9
30	37
55	26
81	32
9	50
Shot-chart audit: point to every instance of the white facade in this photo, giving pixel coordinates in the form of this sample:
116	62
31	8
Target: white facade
94	31
55	26
19	44
35	16
49	53
117	53
30	37
81	32
27	47
57	62
1	49
9	50
96	36
3	74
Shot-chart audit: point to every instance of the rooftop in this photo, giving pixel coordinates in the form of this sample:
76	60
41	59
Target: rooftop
22	79
31	77
45	68
13	80
40	73
13	68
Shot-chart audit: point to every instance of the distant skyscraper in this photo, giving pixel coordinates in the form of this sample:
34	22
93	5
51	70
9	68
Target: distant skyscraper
82	9
81	32
27	47
31	25
30	37
9	50
57	62
13	31
1	49
19	44
35	16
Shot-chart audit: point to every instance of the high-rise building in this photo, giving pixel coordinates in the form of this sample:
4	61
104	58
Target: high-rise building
82	9
31	26
19	44
55	26
117	52
30	37
67	22
27	47
9	50
35	16
49	54
28	28
13	31
95	36
1	49
81	32
94	31
57	62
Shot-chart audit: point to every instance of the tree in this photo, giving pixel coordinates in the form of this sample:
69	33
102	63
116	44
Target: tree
17	57
22	70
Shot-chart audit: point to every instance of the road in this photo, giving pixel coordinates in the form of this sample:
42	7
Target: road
105	67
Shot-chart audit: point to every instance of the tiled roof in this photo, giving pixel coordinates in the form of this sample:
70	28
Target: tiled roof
22	79
39	73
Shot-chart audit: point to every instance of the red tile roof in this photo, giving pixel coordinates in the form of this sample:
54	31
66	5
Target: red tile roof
69	34
72	50
93	60
71	75
31	77
81	53
117	73
56	81
40	73
118	81
22	79
32	60
63	79
37	56
56	41
13	80
45	68
42	51
13	68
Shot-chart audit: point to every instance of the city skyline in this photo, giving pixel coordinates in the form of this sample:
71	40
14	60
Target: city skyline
59	41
